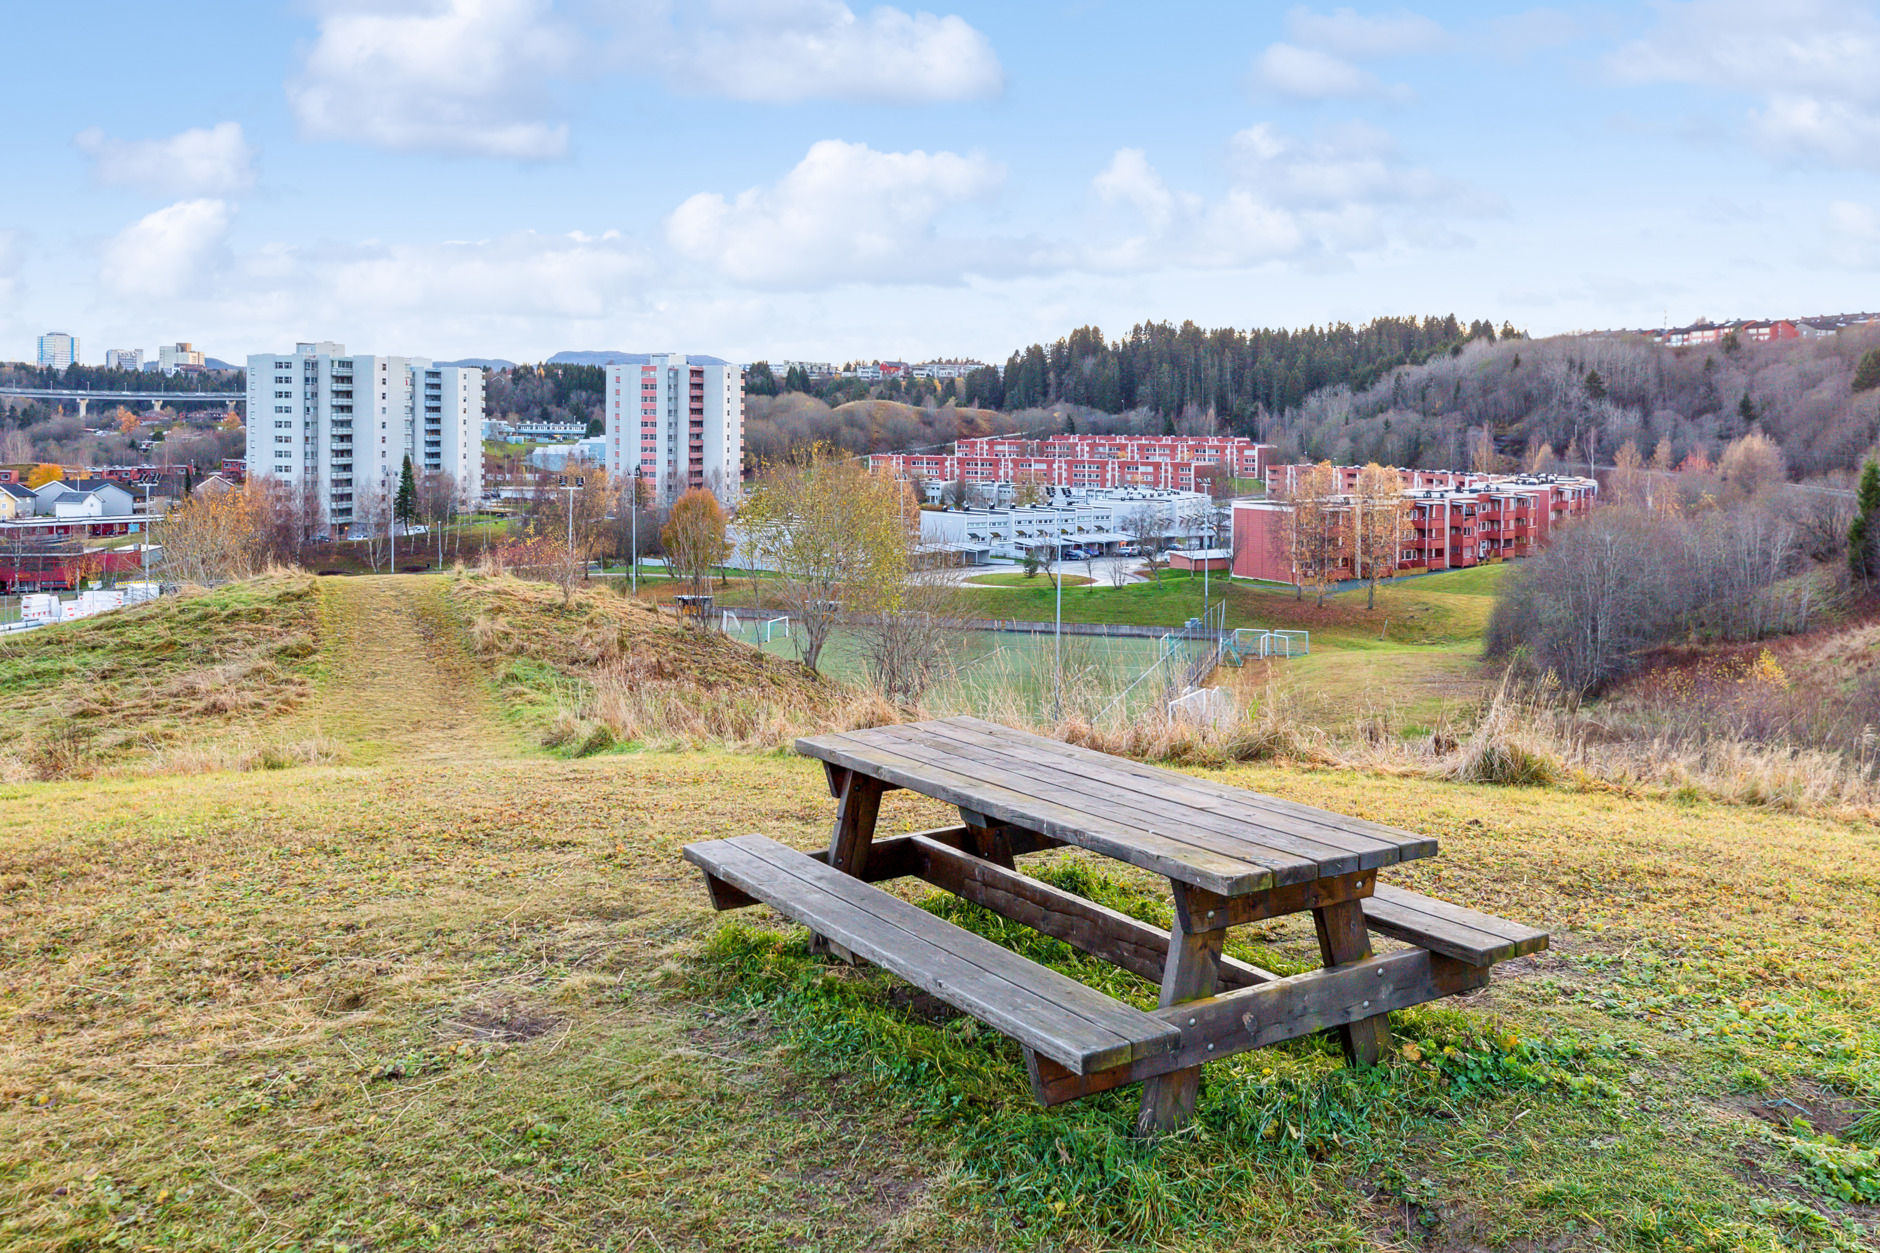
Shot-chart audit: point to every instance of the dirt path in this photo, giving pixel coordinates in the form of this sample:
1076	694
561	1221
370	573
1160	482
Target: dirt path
397	676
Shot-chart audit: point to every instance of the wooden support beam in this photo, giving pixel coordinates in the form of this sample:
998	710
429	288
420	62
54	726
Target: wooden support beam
1194	958
1343	939
858	805
1284	1009
1084	925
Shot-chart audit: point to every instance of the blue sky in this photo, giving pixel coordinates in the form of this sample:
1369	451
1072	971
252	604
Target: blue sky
814	179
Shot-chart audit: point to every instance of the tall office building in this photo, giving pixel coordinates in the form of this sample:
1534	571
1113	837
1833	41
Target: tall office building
346	423
173	357
123	358
678	422
57	350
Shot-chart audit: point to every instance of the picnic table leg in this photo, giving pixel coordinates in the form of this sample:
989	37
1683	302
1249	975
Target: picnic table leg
1194	962
986	839
858	804
1343	937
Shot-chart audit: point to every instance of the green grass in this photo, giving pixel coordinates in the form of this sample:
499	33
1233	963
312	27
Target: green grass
1010	578
1414	611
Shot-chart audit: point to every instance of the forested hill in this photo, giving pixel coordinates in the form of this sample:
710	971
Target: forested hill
1238	375
1586	397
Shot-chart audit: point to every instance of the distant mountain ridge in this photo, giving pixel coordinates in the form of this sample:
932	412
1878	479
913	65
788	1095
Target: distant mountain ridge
481	363
623	358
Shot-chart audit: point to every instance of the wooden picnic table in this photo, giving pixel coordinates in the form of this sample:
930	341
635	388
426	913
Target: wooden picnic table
1230	857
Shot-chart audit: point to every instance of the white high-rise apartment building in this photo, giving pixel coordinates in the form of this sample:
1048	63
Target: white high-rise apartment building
57	350
345	424
123	358
678	422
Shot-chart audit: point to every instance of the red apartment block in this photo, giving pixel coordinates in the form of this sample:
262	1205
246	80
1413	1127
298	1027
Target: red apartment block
1176	462
1478	518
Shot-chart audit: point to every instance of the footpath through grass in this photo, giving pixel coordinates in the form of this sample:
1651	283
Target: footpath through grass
459	994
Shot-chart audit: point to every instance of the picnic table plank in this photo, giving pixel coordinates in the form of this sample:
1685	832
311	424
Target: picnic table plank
1293	858
1165	854
1357	834
1330	820
1465	934
1074	1025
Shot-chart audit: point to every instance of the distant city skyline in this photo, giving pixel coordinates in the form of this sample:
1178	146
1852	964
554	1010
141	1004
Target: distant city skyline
816	181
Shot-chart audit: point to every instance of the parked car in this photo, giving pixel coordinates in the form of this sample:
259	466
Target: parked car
1129	550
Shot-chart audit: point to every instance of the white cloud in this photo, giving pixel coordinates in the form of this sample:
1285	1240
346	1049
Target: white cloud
845	213
481	77
169	253
1348	33
1309	74
1815	67
460	76
525	275
1318	64
205	161
1313	201
783	51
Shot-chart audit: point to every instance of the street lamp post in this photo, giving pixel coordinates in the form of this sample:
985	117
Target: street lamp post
633	544
571	485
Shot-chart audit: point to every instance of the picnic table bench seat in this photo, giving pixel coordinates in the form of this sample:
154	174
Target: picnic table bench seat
1078	1027
1452	930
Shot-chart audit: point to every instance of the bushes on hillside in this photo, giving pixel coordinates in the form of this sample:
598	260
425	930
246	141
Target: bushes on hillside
1623	581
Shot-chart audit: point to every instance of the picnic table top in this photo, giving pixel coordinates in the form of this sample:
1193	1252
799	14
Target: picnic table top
1205	834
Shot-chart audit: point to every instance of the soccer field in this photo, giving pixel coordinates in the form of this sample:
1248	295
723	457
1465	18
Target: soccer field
986	672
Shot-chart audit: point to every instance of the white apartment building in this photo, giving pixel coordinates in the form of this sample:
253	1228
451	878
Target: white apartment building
123	358
173	357
345	424
57	350
1096	521
678	423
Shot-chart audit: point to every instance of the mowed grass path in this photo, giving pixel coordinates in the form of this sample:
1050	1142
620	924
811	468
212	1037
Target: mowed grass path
460	995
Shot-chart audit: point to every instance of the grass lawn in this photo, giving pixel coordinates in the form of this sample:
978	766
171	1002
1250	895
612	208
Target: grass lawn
454	992
1020	579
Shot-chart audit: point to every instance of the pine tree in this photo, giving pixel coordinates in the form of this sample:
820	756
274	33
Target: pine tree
405	506
1864	531
1867	373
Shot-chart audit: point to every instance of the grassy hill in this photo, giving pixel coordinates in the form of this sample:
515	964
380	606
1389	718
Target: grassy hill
126	687
451	989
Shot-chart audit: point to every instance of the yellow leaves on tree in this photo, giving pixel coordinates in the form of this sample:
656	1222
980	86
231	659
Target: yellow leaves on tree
42	474
694	537
127	422
838	536
215	538
1380	525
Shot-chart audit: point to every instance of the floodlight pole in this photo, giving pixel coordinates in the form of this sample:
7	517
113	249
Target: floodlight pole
1057	646
633	544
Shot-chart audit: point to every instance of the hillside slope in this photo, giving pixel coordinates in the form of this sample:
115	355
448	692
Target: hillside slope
111	690
458	995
